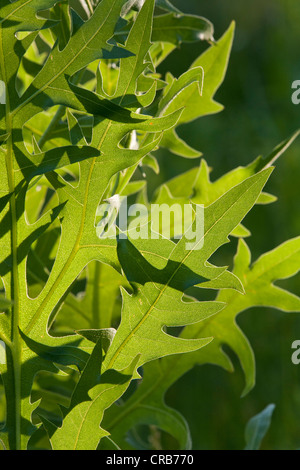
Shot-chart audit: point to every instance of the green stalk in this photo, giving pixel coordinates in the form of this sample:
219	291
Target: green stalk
14	350
14	347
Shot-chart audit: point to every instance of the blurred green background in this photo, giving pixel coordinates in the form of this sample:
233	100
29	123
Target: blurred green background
258	115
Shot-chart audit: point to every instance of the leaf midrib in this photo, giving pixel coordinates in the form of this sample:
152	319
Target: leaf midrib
15	11
76	248
145	317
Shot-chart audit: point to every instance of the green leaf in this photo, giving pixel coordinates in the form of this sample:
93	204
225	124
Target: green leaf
42	163
198	98
61	14
195	185
51	84
74	172
157	300
214	62
178	28
258	279
220	218
166	5
280	263
147	406
98	307
257	428
132	68
64	355
206	191
106	335
4	303
83	113
80	429
137	4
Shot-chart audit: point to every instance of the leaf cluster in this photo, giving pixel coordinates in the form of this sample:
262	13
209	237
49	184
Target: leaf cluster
96	329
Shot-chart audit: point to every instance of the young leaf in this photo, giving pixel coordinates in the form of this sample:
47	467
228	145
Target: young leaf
257	428
195	185
80	429
198	100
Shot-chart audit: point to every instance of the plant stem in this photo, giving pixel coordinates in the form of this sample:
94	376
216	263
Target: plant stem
14	352
13	348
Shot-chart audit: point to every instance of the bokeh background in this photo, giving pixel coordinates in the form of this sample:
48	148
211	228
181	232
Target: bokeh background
258	115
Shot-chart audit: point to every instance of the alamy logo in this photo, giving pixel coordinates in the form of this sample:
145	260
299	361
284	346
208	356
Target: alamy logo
296	354
2	92
296	93
138	221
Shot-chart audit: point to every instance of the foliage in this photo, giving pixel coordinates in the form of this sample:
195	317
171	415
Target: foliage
257	428
85	111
